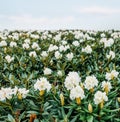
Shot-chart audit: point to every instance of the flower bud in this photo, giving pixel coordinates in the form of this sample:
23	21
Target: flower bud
112	77
101	104
92	90
90	108
62	99
81	85
118	99
5	50
78	101
106	90
19	95
42	92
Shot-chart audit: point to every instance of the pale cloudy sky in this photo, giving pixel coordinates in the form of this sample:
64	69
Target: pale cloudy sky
60	14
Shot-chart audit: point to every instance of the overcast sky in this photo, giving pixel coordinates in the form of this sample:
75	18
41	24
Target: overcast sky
60	14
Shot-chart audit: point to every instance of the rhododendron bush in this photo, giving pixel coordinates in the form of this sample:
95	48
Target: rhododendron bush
60	76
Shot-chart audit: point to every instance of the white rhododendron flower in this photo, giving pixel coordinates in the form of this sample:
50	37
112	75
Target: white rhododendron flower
76	43
9	58
3	43
47	71
44	54
58	55
81	40
90	82
69	56
25	45
64	42
102	40
7	93
2	95
67	47
52	48
13	44
34	36
87	49
107	43
44	37
57	37
63	48
103	35
27	41
100	97
15	36
77	92
23	92
78	34
42	84
72	80
35	46
111	75
32	54
111	55
107	85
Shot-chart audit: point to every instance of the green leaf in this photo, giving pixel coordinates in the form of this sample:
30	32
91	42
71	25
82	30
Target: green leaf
10	118
36	120
32	112
90	119
69	113
74	119
21	116
63	111
4	104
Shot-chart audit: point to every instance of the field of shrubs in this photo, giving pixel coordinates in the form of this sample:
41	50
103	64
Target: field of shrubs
60	76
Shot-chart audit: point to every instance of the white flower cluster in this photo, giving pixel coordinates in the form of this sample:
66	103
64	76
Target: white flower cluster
111	55
90	82
23	92
58	55
27	41
52	48
35	46
64	42
111	75
107	43
25	46
42	84
72	80
3	43
106	85
47	71
69	56
63	48
32	54
34	36
100	97
77	92
76	43
57	37
87	49
44	54
8	93
9	58
13	44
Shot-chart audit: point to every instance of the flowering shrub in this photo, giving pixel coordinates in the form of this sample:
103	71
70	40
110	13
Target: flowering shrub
59	76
